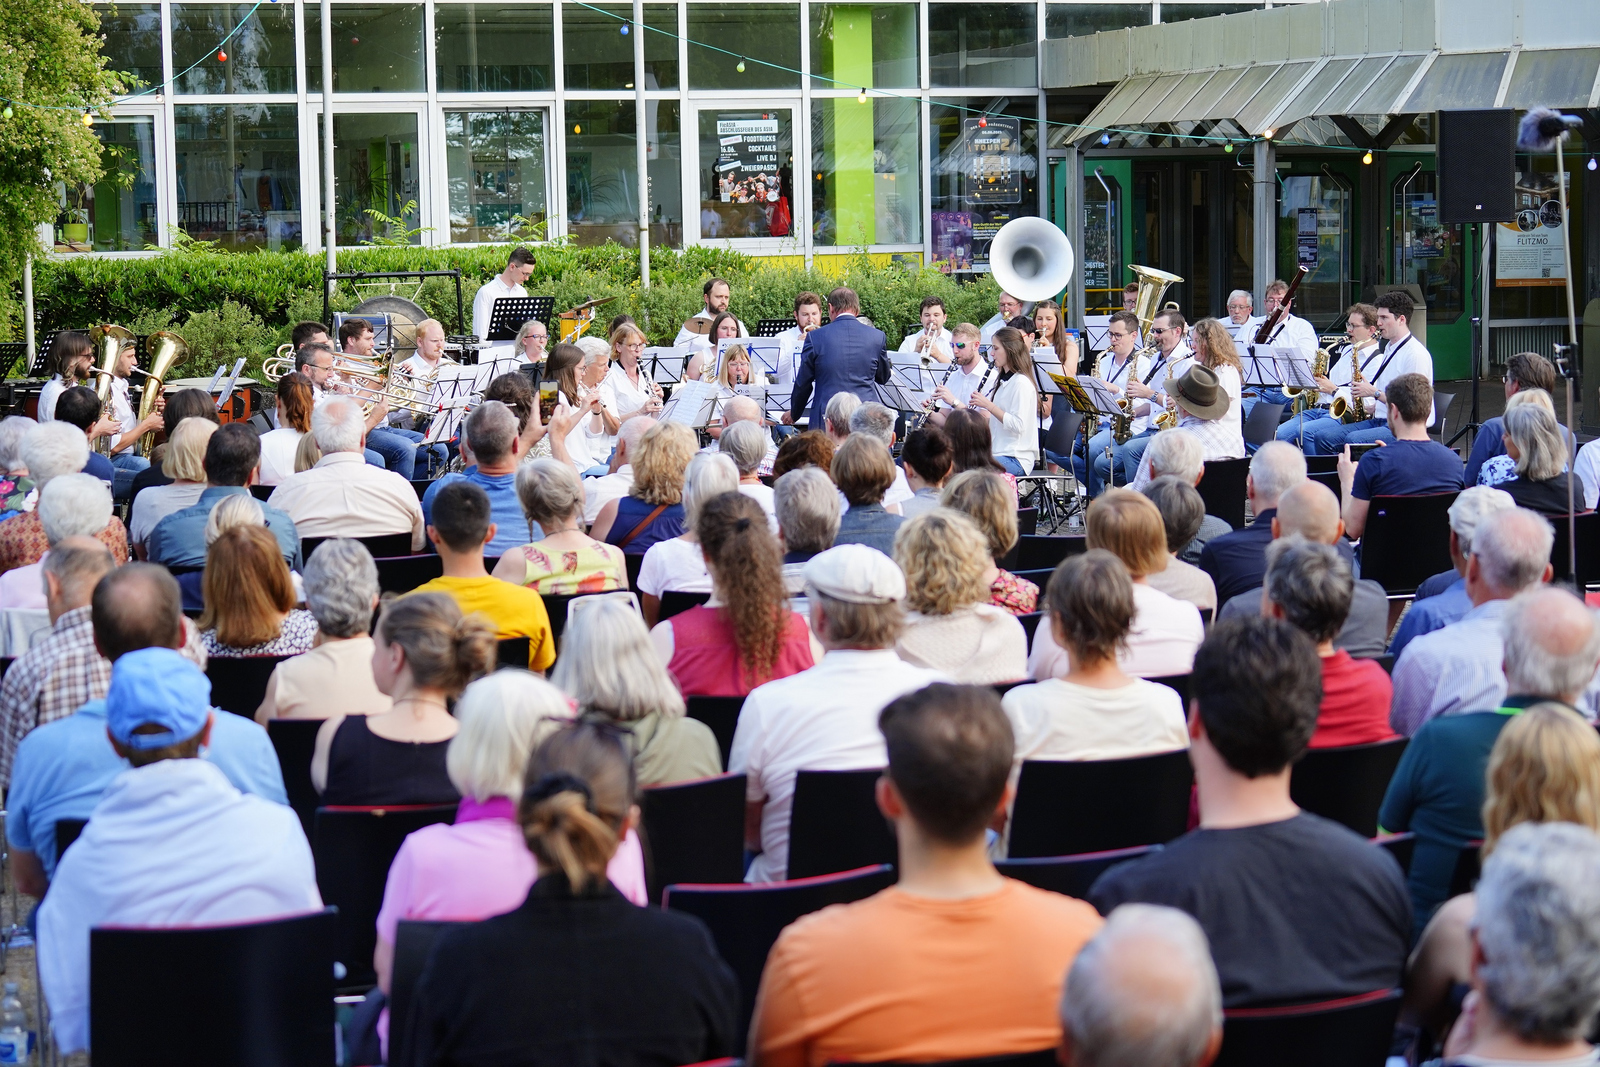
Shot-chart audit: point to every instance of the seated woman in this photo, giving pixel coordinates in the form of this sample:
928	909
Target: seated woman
971	447
653	509
1095	710
863	470
610	669
1166	632
745	635
480	866
746	444
184	463
278	447
335	677
568	561
249	595
677	564
1502	468
1182	512
986	499
951	626
1544	767
636	985
424	654
1537	444
813	448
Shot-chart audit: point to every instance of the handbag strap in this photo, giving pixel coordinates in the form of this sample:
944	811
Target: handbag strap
639	529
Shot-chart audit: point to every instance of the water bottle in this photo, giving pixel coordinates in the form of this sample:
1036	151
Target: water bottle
16	1040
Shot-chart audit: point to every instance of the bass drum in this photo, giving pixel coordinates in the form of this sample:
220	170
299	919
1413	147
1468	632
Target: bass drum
403	317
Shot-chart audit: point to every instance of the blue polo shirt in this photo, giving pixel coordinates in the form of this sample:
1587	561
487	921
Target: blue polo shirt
179	540
505	509
1407	468
63	767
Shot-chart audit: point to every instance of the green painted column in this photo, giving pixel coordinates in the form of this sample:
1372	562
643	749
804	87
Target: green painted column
854	196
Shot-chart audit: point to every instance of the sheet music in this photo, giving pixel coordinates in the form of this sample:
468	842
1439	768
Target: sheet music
756	391
1097	392
1047	369
764	352
691	404
1094	329
667	363
1278	365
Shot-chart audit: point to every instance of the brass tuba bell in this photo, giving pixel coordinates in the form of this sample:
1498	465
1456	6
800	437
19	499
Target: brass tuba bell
109	340
166	350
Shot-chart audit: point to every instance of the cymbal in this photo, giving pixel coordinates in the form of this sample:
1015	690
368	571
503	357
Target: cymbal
404	315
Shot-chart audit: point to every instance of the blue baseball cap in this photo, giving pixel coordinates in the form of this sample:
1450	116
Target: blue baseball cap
156	686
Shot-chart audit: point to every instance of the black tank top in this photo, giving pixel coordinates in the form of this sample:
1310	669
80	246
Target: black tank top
364	768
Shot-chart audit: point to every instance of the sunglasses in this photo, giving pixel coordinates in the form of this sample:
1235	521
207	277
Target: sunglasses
962	344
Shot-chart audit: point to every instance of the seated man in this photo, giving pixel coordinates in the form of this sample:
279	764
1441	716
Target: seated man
340	496
824	719
1442	599
807	506
171	843
233	456
50	450
953	962
81	407
1413	464
1551	647
1535	990
1237	560
63	767
1143	991
1297	907
491	437
460	531
1310	586
1178	453
598	492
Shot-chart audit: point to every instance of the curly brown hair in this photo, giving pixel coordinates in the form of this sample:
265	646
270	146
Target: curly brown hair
810	449
747	568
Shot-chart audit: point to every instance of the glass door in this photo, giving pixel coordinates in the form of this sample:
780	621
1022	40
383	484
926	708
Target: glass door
746	173
377	177
496	164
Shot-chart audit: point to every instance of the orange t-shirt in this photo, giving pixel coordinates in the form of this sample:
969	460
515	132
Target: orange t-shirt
903	977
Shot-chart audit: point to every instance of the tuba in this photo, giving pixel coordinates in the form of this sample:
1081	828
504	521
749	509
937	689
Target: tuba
167	350
1031	259
108	339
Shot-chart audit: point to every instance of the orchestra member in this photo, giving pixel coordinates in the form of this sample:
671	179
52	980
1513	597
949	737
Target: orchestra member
933	339
1117	366
1010	308
969	368
807	317
1203	402
1130	296
533	340
124	426
724	327
1050	329
716	295
72	357
1012	404
1148	391
1242	322
1402	354
627	388
398	444
1361	323
508	283
1291	332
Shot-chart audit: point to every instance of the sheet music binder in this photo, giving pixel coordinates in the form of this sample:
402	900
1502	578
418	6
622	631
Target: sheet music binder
510	312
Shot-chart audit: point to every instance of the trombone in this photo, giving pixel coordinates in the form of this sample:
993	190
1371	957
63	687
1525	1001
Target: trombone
368	380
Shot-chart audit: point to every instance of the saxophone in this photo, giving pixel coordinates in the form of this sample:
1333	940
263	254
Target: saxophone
1303	398
1346	407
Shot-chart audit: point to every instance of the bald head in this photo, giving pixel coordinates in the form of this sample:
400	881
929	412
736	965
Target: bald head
137	606
1552	644
630	433
740	409
1311	510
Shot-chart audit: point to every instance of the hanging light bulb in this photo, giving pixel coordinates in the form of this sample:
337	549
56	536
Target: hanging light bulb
1266	135
624	29
88	118
1591	164
222	57
7	114
1366	158
1228	147
983	122
861	97
1105	138
576	128
739	66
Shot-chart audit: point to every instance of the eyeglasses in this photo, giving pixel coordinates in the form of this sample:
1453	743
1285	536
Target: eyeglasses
962	344
578	605
1117	336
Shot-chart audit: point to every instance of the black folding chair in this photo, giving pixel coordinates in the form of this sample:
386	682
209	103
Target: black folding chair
413	941
1064	808
401	574
1407	541
674	602
353	848
512	652
1027	521
1322	465
253	994
1069	875
1346	784
693	831
1040	577
836	825
261	492
68	831
1588	530
1261	425
420	486
1044	551
722	715
1469	864
1385	661
239	683
1222	488
5	664
745	920
1441	408
1178	683
295	740
379	545
1348	1032
633	561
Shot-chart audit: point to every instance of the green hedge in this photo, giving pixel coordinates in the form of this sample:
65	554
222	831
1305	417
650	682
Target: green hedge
228	305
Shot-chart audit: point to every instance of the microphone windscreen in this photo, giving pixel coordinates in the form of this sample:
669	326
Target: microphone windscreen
1540	129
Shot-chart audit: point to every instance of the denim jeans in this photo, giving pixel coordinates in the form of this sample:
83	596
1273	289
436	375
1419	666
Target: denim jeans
1291	430
128	464
398	451
1011	464
1327	437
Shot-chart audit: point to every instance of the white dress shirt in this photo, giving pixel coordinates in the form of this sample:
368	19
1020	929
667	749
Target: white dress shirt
962	382
621	396
483	303
171	844
1017	435
686	337
122	412
995	324
1405	356
417	365
598	492
940	347
48	396
1109	370
789	342
344	496
1291	332
822	719
1166	633
1587	468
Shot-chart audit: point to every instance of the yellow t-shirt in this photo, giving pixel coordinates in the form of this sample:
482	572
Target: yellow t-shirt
513	611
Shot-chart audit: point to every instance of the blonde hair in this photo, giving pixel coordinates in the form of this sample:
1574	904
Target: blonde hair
247	587
986	499
659	465
622	334
444	648
307	453
1545	767
1541	443
863	469
236	509
1129	526
945	557
728	355
549	491
185	460
609	666
500	715
1219	348
576	799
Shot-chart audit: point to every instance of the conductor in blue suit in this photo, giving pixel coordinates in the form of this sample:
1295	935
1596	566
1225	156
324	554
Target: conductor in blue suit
845	356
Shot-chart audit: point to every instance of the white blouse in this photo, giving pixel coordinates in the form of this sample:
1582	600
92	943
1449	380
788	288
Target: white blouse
1017	435
620	395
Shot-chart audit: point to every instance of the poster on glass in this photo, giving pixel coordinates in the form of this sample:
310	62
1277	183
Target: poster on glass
747	193
1528	251
991	173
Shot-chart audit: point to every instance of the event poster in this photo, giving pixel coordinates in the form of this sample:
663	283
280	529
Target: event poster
747	160
1528	251
952	240
1306	235
993	158
985	224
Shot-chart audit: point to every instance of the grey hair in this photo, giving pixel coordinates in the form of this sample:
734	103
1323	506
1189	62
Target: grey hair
13	428
549	491
1113	1016
1539	439
1512	548
1471	507
1241	292
491	429
874	419
594	349
74	505
236	509
841	406
807	505
709	474
52	449
78	564
609	666
1177	452
1277	467
1536	620
501	715
341	583
746	444
633	428
337	425
1312	583
1182	509
1538	925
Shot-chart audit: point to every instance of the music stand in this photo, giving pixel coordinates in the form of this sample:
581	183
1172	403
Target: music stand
228	386
666	363
1048	372
773	327
10	353
510	312
692	404
764	352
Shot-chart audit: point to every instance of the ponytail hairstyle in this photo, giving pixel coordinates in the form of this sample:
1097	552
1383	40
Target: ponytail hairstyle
576	798
747	570
444	648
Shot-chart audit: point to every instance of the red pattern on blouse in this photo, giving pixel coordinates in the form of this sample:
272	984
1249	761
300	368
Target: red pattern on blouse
1017	595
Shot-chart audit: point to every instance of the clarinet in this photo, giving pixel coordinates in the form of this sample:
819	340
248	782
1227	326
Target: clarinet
930	405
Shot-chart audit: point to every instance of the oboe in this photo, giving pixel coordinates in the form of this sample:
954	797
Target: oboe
931	404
